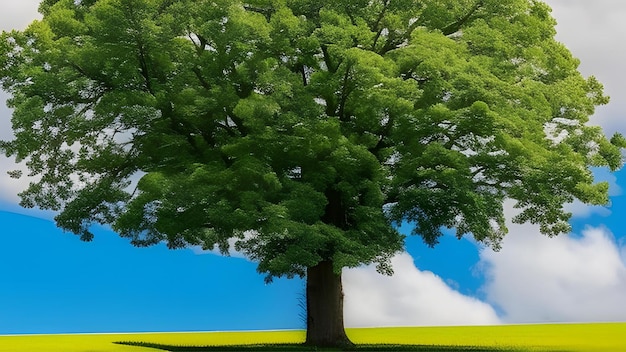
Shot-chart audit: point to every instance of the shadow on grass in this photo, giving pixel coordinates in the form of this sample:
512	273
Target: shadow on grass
299	347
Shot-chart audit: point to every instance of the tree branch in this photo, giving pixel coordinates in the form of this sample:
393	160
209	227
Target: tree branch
303	72
456	26
375	26
201	79
345	92
202	45
267	12
144	69
330	65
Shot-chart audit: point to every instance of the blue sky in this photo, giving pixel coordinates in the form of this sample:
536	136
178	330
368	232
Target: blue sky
51	282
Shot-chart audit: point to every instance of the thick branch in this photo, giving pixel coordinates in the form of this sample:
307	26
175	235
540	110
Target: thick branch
202	45
267	12
330	65
345	92
382	139
376	26
243	131
456	26
144	69
100	79
201	79
302	69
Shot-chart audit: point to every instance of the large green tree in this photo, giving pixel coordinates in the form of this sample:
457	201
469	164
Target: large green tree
302	130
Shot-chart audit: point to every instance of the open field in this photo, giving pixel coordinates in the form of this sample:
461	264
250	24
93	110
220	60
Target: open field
553	337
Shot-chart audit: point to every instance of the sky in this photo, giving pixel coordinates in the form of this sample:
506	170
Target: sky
51	282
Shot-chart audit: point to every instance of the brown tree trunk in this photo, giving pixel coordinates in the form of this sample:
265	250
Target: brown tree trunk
324	303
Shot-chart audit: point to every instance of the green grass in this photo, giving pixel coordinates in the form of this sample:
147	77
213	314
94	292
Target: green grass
299	347
553	337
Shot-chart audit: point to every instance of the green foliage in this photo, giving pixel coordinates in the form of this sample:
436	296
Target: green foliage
302	130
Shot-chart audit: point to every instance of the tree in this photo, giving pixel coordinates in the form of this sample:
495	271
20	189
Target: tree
303	131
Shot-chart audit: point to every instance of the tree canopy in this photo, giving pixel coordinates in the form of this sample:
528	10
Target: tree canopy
305	130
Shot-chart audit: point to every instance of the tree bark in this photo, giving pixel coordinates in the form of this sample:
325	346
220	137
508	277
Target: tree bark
324	303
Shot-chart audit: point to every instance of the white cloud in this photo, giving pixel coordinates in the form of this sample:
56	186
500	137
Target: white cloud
408	298
14	15
593	31
582	210
568	278
10	187
622	246
17	14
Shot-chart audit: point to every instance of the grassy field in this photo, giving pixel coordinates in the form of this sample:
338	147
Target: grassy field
554	337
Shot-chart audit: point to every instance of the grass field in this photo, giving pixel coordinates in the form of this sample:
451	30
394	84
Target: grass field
553	337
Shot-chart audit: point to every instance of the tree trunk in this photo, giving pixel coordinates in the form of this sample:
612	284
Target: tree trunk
324	303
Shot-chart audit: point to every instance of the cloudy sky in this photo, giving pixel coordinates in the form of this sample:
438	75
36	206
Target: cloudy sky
51	282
